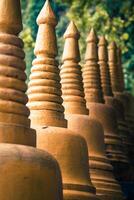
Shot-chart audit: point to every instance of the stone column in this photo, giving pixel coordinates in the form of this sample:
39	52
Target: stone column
47	113
79	121
105	114
26	173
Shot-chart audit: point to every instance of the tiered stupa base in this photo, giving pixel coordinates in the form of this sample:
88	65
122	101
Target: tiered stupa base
102	177
129	119
122	124
28	173
17	134
114	149
100	170
67	147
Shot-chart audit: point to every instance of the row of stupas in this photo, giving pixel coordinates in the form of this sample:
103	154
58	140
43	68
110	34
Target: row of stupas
81	141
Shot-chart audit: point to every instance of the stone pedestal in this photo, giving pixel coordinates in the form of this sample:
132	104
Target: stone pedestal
123	128
71	152
28	173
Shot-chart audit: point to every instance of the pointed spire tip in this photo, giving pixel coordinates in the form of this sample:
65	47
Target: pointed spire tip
102	40
112	45
72	31
47	15
92	36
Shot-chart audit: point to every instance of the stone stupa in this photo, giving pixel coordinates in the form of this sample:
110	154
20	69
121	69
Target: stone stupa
129	98
117	82
76	113
26	173
109	97
47	114
105	114
129	108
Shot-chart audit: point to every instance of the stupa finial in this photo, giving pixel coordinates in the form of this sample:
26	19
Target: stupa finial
91	71
10	16
71	49
71	31
92	36
113	66
14	114
44	87
46	15
120	70
71	76
46	32
104	68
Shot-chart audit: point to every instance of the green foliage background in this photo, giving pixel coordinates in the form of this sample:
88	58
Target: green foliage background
113	18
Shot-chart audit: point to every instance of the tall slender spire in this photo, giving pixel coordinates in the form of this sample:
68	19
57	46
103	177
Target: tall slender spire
44	88
47	114
13	110
112	59
117	81
47	22
103	113
104	69
120	70
71	76
10	16
46	15
107	90
78	120
22	167
91	71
